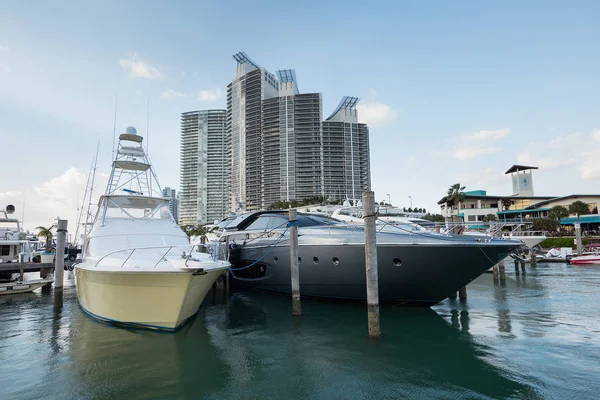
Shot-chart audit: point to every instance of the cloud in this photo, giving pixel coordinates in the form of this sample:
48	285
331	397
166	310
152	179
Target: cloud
596	135
375	113
60	195
469	144
468	152
550	163
170	93
524	157
490	176
4	68
139	69
590	165
486	135
4	48
561	141
210	94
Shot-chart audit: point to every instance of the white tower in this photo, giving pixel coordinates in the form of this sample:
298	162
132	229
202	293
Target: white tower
522	180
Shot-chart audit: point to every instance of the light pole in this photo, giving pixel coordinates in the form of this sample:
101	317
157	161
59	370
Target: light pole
389	199
410	197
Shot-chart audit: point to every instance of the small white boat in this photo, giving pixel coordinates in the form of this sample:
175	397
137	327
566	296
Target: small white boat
18	287
588	259
138	266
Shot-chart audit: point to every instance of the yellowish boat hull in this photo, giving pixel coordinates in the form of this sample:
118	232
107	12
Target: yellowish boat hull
152	300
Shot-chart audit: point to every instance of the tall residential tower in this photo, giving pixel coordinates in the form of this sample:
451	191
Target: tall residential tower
204	188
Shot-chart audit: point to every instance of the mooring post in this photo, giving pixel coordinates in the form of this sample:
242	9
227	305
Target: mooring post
516	265
522	266
532	257
495	272
294	271
59	263
502	271
21	267
462	293
371	264
578	237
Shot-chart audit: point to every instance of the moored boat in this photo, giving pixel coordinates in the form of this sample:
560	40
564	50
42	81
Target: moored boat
138	266
587	259
415	266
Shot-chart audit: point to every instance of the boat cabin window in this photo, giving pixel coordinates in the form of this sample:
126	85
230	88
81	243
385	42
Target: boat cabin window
275	221
140	207
4	250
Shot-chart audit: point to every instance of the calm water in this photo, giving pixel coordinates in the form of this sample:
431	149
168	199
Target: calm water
536	337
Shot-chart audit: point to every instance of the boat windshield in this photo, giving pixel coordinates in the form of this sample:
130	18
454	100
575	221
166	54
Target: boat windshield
275	221
135	207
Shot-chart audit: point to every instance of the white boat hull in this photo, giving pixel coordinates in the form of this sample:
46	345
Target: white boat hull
23	287
590	259
529	241
158	300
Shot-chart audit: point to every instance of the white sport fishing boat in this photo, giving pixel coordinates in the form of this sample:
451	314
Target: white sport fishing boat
138	266
15	249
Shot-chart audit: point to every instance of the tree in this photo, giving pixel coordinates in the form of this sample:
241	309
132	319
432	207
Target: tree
507	203
409	209
489	218
545	224
434	217
46	233
424	210
579	207
404	209
455	195
558	212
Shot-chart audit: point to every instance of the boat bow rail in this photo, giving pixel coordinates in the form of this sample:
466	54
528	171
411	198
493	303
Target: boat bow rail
161	253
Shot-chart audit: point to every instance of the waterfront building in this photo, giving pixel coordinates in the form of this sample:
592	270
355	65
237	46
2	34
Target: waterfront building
251	85
346	158
279	147
522	204
204	167
171	194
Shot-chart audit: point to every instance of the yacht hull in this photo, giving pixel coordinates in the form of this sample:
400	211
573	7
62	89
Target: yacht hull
157	300
409	274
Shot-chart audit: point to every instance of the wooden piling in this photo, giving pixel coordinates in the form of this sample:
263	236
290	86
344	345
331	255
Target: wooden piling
21	267
462	293
368	199
522	266
495	272
502	271
61	242
578	241
516	265
532	258
294	271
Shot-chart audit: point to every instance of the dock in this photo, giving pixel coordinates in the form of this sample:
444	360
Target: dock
25	267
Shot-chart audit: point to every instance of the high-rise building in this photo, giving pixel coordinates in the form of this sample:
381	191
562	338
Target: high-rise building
346	158
171	194
279	147
291	154
204	167
245	94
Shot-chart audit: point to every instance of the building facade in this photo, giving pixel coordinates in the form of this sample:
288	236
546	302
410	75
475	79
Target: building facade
346	155
245	95
204	167
171	194
279	147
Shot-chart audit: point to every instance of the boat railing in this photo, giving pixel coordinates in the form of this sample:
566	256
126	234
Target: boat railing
211	249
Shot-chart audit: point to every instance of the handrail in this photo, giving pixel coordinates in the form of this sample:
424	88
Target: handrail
169	248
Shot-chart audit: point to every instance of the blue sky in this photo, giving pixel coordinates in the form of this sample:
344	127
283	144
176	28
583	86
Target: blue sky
453	91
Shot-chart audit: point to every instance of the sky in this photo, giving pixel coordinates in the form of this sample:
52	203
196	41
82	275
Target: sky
452	91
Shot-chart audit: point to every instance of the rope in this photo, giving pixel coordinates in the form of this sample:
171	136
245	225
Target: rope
271	247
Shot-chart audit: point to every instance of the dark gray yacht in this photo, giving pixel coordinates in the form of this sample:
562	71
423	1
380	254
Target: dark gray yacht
415	266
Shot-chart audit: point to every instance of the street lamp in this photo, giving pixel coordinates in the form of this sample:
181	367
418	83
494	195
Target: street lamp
410	197
389	199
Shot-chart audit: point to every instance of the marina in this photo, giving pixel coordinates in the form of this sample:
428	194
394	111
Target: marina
536	336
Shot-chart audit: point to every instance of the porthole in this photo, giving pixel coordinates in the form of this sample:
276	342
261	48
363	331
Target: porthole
336	261
316	260
397	262
299	260
275	259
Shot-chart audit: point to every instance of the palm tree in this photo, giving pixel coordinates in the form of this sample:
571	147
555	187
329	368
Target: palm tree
455	195
46	233
506	203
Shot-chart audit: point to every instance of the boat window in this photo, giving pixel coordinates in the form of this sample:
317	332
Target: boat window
147	210
313	220
268	222
4	250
